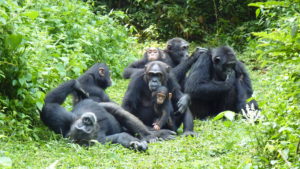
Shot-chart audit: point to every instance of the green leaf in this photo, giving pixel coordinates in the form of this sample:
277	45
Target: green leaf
13	41
31	14
257	12
218	117
229	115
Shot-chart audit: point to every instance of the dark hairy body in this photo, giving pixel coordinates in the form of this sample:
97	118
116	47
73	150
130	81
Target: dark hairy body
217	82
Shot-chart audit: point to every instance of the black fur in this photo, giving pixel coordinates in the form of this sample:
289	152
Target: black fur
94	84
217	82
164	112
138	99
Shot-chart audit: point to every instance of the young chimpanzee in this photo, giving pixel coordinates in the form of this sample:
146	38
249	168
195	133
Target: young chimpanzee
151	54
90	120
94	82
163	108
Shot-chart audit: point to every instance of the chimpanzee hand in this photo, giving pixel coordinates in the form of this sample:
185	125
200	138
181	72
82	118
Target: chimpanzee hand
164	134
201	50
81	93
230	79
139	145
156	126
183	103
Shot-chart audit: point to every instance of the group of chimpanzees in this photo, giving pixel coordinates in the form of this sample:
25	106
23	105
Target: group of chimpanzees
167	89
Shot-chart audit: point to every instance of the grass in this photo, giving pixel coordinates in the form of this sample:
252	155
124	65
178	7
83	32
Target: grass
220	144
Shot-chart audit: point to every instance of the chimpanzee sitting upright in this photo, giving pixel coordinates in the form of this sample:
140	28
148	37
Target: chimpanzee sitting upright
94	81
217	82
138	97
151	54
177	50
163	108
90	120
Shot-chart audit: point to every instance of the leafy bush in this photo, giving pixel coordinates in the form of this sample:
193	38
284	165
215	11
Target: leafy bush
192	19
44	43
277	49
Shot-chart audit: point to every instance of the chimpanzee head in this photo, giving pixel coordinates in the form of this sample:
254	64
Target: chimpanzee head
161	94
152	54
84	129
156	74
177	49
224	61
101	74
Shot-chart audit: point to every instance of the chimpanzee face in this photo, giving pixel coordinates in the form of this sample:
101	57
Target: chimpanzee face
104	76
84	129
152	54
160	98
156	74
224	62
178	49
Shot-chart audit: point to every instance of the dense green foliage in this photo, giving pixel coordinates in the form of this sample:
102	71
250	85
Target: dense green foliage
44	43
191	19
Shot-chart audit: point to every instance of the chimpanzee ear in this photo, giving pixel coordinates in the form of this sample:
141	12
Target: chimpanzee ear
102	71
169	47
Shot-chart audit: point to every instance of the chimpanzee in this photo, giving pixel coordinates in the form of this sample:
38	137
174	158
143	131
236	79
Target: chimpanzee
90	120
137	99
175	55
217	82
163	108
177	50
151	54
94	81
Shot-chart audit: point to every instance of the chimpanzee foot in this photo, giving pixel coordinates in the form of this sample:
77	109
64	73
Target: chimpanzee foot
190	133
139	145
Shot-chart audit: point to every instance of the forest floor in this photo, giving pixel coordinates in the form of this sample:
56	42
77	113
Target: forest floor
220	144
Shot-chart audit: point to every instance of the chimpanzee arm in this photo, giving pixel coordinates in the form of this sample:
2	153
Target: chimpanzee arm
125	140
132	96
128	120
134	125
185	65
134	67
244	78
53	114
200	83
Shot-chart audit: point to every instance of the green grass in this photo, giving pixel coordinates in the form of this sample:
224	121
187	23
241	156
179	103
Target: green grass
219	144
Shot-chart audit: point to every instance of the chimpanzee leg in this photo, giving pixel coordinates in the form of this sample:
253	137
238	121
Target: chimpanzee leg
187	120
53	114
128	141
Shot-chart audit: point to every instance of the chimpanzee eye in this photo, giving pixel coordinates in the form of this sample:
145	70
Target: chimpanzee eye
185	47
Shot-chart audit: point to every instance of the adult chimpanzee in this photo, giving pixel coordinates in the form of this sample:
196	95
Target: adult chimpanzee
161	99
138	97
177	50
151	54
90	120
217	82
94	81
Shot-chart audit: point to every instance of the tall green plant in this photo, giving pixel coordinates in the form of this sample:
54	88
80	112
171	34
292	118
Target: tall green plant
43	43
